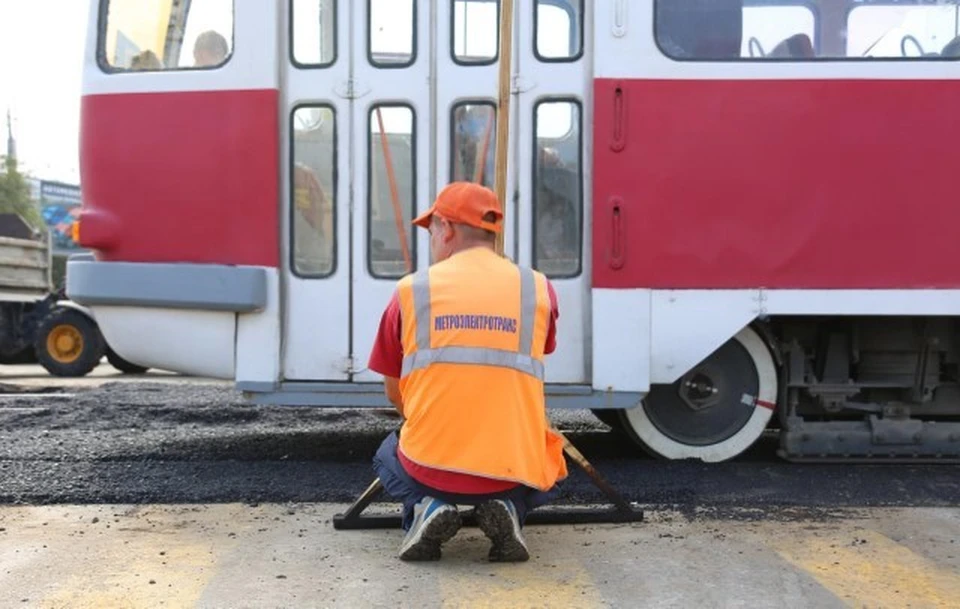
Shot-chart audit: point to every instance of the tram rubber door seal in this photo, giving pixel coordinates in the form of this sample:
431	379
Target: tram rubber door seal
621	511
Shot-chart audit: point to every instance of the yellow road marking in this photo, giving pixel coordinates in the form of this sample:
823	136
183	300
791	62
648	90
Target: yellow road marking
122	577
148	558
867	569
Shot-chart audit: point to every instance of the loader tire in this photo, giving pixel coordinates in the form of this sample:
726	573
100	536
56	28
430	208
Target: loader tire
68	343
123	365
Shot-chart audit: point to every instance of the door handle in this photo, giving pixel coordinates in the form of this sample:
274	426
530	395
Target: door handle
617	251
618	139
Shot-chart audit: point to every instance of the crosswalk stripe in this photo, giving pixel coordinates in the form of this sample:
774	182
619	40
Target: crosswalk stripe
105	573
864	568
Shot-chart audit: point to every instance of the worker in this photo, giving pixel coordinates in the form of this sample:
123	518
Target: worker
461	347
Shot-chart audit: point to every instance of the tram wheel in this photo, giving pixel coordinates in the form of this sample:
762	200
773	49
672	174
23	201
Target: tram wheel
715	411
609	417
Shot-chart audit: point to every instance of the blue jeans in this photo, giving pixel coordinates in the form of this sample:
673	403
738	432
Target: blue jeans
399	485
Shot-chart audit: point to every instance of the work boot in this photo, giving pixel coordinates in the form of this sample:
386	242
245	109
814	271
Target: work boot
435	522
499	522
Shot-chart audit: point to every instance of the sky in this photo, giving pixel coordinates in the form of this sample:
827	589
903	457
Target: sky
41	56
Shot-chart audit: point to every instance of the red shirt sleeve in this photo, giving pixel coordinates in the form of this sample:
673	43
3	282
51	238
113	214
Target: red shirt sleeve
551	344
387	355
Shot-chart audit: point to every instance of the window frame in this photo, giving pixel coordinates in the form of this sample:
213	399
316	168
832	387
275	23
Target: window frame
414	261
291	199
574	26
457	103
414	43
292	56
103	15
453	35
534	258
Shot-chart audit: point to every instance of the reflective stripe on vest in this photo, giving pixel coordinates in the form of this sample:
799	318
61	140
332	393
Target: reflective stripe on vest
521	361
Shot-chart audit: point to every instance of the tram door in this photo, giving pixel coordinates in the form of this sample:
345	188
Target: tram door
554	78
545	187
439	120
316	155
392	129
374	130
357	94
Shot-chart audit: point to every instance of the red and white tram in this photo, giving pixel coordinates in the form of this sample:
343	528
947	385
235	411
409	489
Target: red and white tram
747	207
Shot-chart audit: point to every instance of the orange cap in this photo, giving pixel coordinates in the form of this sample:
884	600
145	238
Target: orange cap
465	203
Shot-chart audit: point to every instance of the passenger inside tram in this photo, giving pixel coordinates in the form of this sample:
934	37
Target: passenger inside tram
146	60
474	139
313	222
210	49
557	219
313	191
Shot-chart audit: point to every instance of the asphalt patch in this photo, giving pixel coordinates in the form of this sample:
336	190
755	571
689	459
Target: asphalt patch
191	443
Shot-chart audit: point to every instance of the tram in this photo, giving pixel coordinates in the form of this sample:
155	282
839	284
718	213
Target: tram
747	208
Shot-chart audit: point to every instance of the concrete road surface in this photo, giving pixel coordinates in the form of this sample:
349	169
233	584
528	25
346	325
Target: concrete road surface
188	498
290	556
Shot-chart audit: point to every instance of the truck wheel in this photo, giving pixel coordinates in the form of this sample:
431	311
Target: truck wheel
123	365
23	356
68	343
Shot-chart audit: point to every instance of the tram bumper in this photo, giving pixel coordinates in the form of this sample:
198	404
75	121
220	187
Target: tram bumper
172	316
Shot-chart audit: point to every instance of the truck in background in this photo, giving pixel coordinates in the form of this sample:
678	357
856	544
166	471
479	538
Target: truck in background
38	324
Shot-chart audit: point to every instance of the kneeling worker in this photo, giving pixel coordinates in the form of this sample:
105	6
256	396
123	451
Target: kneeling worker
461	347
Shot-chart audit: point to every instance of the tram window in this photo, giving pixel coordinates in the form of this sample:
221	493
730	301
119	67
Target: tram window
723	30
559	27
391	40
313	191
314	35
475	31
140	36
474	134
733	29
557	192
391	191
893	32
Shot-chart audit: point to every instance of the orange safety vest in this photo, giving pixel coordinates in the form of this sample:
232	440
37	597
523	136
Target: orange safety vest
473	329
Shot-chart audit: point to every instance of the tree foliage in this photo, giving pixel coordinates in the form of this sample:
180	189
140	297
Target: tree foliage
15	194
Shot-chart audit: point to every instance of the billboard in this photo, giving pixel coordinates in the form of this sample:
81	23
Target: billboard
60	207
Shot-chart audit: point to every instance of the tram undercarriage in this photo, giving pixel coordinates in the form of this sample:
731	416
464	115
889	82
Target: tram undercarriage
850	389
